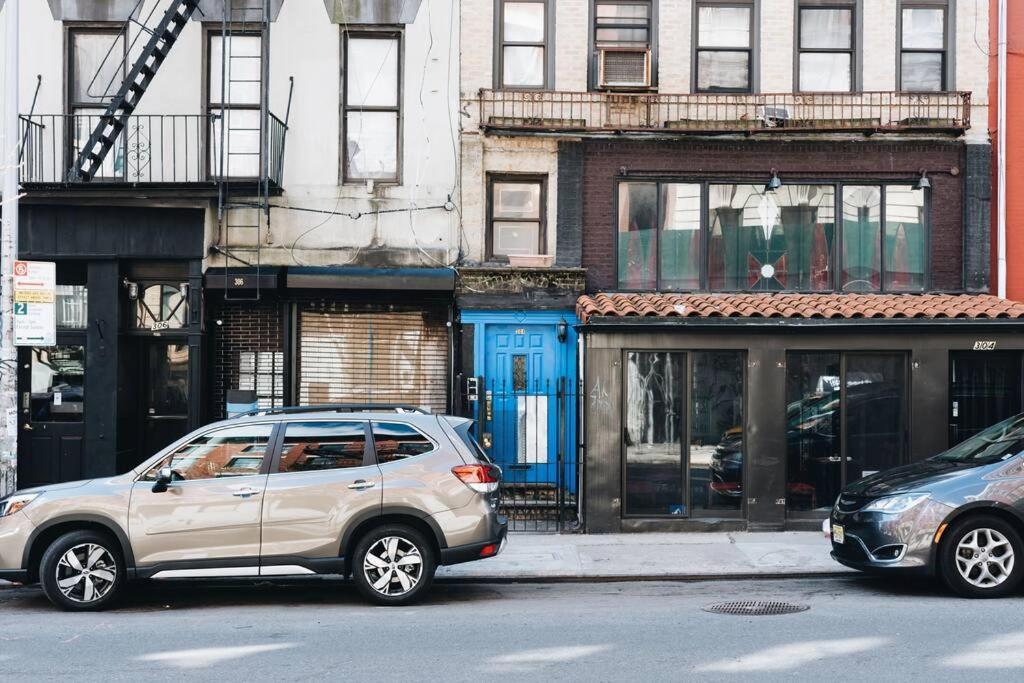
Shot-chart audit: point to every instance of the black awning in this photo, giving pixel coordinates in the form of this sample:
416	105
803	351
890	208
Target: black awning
346	277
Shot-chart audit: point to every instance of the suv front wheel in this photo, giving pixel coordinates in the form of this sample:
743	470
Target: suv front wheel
82	570
981	557
393	565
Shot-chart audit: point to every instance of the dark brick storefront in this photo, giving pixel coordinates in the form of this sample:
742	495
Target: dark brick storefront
605	162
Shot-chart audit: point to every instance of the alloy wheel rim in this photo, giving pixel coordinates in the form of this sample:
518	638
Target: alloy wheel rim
393	566
86	573
984	558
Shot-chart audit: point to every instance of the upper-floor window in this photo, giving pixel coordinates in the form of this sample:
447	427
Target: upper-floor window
724	48
684	236
234	91
95	71
523	53
826	47
623	43
516	216
372	105
923	45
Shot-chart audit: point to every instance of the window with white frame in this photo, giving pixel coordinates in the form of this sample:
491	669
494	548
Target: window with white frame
826	47
372	106
923	39
724	48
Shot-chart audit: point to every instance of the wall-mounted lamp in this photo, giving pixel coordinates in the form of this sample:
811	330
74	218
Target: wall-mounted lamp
774	183
563	330
923	183
132	287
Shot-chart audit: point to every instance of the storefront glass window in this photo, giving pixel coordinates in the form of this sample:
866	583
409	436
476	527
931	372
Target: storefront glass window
862	238
770	241
814	465
654	432
72	307
638	235
905	254
876	425
58	384
716	431
680	239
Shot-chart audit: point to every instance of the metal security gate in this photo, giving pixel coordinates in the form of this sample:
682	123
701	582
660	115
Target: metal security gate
373	357
528	428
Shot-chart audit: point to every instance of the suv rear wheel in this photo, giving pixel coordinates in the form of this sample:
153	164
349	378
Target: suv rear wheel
981	557
393	565
82	570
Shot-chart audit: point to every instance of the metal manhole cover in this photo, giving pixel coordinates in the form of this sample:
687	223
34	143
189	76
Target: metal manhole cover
756	608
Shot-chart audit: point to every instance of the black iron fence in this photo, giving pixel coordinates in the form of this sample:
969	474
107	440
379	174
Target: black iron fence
529	429
720	113
152	149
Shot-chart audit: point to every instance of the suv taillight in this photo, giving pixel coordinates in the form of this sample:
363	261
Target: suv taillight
480	478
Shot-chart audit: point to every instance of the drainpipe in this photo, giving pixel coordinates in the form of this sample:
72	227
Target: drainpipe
1001	153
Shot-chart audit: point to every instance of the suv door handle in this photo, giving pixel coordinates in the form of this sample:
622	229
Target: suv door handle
361	484
245	492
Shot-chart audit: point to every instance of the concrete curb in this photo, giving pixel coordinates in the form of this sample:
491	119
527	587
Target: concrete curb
646	578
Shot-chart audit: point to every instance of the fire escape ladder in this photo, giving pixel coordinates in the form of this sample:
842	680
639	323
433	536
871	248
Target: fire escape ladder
243	224
147	64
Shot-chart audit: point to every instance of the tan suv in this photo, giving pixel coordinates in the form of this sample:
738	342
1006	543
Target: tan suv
381	493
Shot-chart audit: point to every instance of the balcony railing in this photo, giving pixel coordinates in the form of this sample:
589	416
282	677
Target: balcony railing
597	112
153	149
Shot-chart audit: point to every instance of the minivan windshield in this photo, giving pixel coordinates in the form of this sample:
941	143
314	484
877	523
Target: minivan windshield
1001	441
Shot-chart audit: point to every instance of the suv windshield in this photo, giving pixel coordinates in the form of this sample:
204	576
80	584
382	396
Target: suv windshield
1000	441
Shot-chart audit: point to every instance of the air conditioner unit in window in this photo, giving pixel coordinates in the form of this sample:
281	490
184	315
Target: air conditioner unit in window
624	67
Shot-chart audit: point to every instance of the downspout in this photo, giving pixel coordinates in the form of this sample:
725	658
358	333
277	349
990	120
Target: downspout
1001	153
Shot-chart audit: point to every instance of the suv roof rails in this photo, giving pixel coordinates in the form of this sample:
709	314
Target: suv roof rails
339	408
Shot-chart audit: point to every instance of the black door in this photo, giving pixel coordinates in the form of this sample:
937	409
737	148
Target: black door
165	399
984	388
51	382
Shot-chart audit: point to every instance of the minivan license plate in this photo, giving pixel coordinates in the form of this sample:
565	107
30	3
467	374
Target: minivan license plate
838	534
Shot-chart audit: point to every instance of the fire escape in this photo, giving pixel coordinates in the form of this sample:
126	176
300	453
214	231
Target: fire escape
244	174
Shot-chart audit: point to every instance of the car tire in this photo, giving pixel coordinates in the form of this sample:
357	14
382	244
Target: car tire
393	565
981	557
82	571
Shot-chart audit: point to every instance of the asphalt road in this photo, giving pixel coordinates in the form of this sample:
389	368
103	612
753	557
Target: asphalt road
857	628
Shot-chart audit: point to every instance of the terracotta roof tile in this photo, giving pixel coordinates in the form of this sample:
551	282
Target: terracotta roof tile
799	306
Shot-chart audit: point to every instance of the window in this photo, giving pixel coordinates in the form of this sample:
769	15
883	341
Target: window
517	220
231	452
831	397
58	384
923	40
262	372
724	46
623	43
398	441
825	62
523	52
674	236
96	68
234	90
162	307
312	446
372	125
683	433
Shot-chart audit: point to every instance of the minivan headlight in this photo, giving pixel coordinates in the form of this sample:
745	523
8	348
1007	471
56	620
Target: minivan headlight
11	504
895	504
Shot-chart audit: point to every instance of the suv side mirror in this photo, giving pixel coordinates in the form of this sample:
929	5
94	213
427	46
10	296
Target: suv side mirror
164	476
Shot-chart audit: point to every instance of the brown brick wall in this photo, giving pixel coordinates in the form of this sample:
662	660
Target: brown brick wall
245	326
751	161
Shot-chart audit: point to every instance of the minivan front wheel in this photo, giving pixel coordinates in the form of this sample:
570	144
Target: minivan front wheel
981	557
82	570
393	565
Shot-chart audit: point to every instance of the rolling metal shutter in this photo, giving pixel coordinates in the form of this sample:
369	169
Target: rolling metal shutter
373	357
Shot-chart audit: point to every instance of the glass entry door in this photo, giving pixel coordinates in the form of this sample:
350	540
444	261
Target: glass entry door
846	418
984	388
165	416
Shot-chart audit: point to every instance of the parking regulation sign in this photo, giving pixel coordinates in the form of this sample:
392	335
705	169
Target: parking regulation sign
35	294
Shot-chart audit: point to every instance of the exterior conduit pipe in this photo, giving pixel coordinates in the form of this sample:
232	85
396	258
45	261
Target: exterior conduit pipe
1001	152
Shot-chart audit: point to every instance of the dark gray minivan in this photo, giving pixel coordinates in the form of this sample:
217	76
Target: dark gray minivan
958	515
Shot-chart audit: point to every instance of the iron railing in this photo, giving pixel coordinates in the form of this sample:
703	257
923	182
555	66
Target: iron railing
550	111
152	149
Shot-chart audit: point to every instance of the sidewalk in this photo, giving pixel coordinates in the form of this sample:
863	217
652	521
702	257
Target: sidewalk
536	557
568	557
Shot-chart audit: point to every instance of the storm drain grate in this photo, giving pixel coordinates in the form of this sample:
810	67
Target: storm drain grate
756	608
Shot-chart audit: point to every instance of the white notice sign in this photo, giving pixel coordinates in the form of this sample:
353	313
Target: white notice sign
35	293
